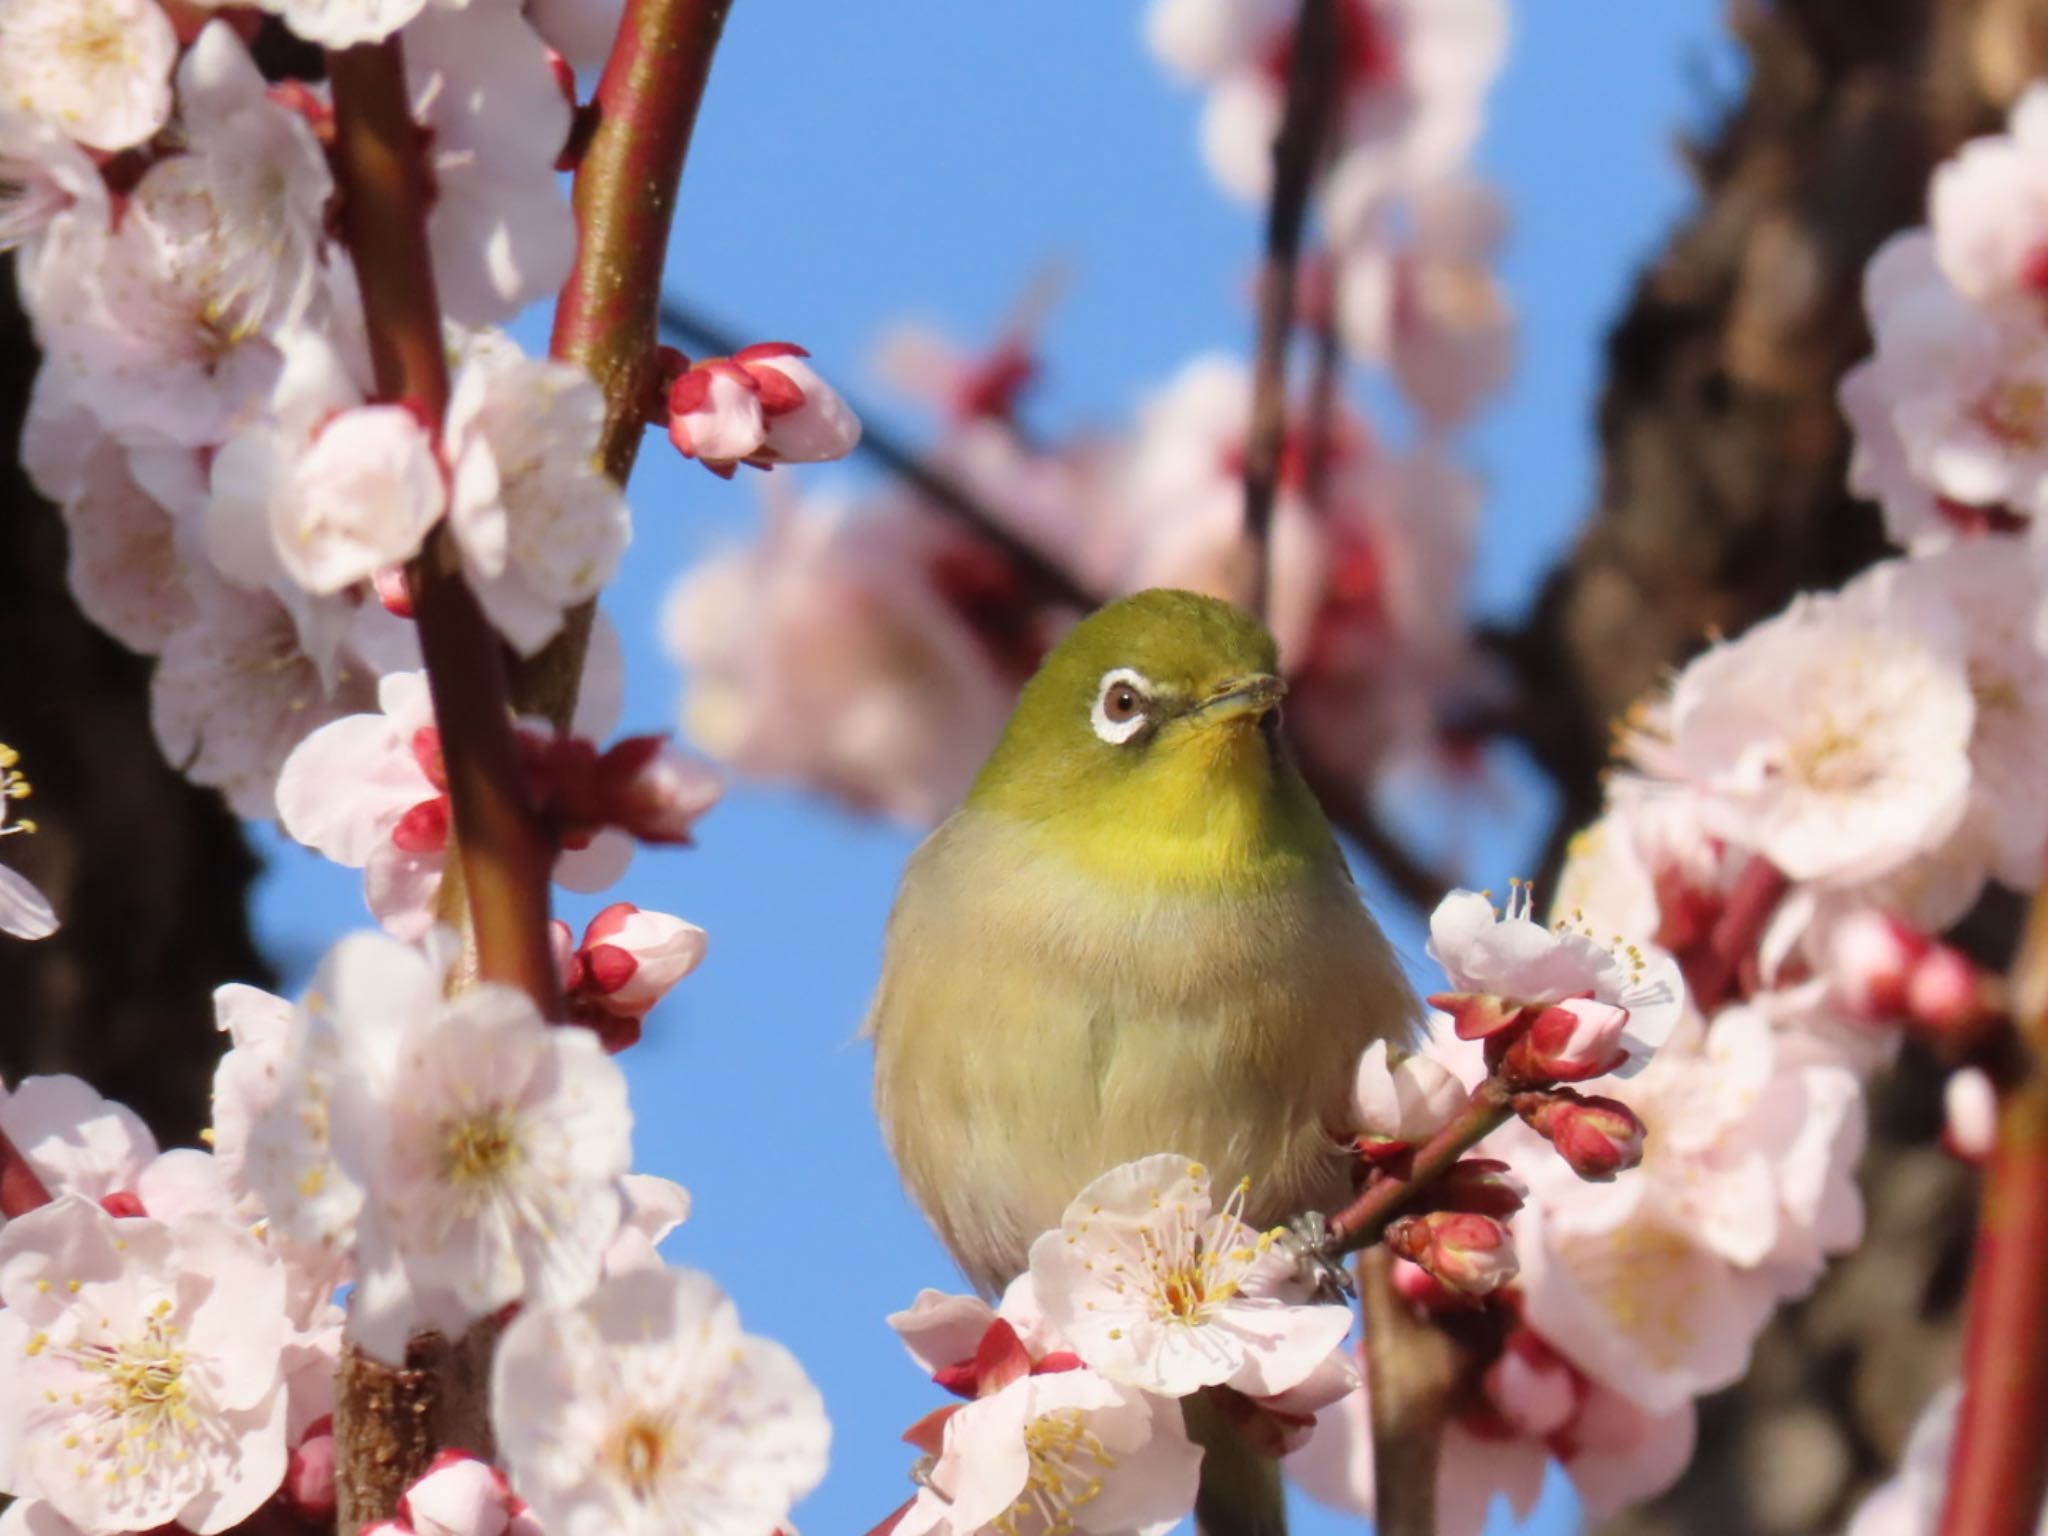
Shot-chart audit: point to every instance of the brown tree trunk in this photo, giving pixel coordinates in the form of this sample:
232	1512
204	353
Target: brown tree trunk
150	876
1724	492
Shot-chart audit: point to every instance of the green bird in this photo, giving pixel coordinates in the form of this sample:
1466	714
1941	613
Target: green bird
1137	935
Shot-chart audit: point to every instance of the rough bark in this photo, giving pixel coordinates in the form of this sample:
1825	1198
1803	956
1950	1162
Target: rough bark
150	875
1723	493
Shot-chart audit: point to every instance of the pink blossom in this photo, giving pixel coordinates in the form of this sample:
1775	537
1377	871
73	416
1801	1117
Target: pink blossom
459	1495
97	69
826	655
1910	1504
1988	207
1066	1451
1871	955
145	1386
76	1142
644	1409
500	229
1877	775
764	405
1152	1284
1502	963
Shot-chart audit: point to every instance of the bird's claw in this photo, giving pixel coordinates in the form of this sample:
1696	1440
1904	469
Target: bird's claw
1316	1264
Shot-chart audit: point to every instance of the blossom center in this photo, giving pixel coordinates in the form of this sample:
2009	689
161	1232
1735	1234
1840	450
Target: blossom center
2015	412
95	40
1829	760
478	1150
1067	1463
638	1452
12	787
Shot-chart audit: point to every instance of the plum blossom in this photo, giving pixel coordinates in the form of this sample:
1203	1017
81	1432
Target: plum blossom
1156	1287
327	491
100	70
1965	393
367	791
1056	1452
540	525
1992	600
461	1495
500	230
1832	739
1640	1307
824	655
24	911
1988	208
1500	963
144	1384
75	1141
628	960
654	1207
44	177
1531	1407
344	23
478	1149
643	1410
234	692
1969	1106
1910	1503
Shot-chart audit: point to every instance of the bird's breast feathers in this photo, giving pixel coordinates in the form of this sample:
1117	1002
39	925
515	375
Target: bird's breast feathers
1037	1024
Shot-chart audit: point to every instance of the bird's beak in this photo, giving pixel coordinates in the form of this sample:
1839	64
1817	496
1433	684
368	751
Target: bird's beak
1240	698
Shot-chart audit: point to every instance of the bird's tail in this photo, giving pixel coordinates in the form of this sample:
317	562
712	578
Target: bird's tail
1240	1492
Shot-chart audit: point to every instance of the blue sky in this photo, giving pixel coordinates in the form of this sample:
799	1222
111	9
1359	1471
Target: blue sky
859	163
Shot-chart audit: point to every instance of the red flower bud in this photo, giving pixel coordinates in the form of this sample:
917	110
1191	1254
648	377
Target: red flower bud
1483	1186
1597	1137
1471	1254
1478	1015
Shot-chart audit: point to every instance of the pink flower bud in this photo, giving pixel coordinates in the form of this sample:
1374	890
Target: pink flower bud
653	791
458	1496
807	422
1404	1097
122	1202
386	1528
1870	955
1531	1388
1472	1255
1970	1106
1484	1186
1478	1015
562	944
1941	993
309	1476
715	415
1597	1137
631	957
1567	1042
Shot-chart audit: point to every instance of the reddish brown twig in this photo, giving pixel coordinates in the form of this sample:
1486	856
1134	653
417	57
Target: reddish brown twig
1360	1223
1297	154
1409	1370
607	316
503	852
1998	1471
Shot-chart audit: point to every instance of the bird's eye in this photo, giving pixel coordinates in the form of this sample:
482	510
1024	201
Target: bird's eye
1121	705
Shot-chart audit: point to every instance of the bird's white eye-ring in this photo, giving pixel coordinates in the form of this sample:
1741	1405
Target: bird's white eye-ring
1120	705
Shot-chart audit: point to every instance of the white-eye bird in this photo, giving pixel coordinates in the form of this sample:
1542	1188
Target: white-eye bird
1137	935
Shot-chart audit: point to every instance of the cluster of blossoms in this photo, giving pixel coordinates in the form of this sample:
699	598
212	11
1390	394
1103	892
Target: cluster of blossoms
169	1318
884	642
245	506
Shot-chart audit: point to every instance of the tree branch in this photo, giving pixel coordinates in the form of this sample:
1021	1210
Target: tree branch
606	318
389	1421
1409	1368
1360	1223
504	852
1297	155
1998	1472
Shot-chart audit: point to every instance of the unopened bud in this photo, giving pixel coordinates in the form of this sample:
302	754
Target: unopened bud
631	957
1597	1137
1531	1388
1472	1255
1478	1015
1567	1042
309	1475
122	1202
1870	957
1941	993
1403	1097
458	1496
1970	1109
654	791
1484	1186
